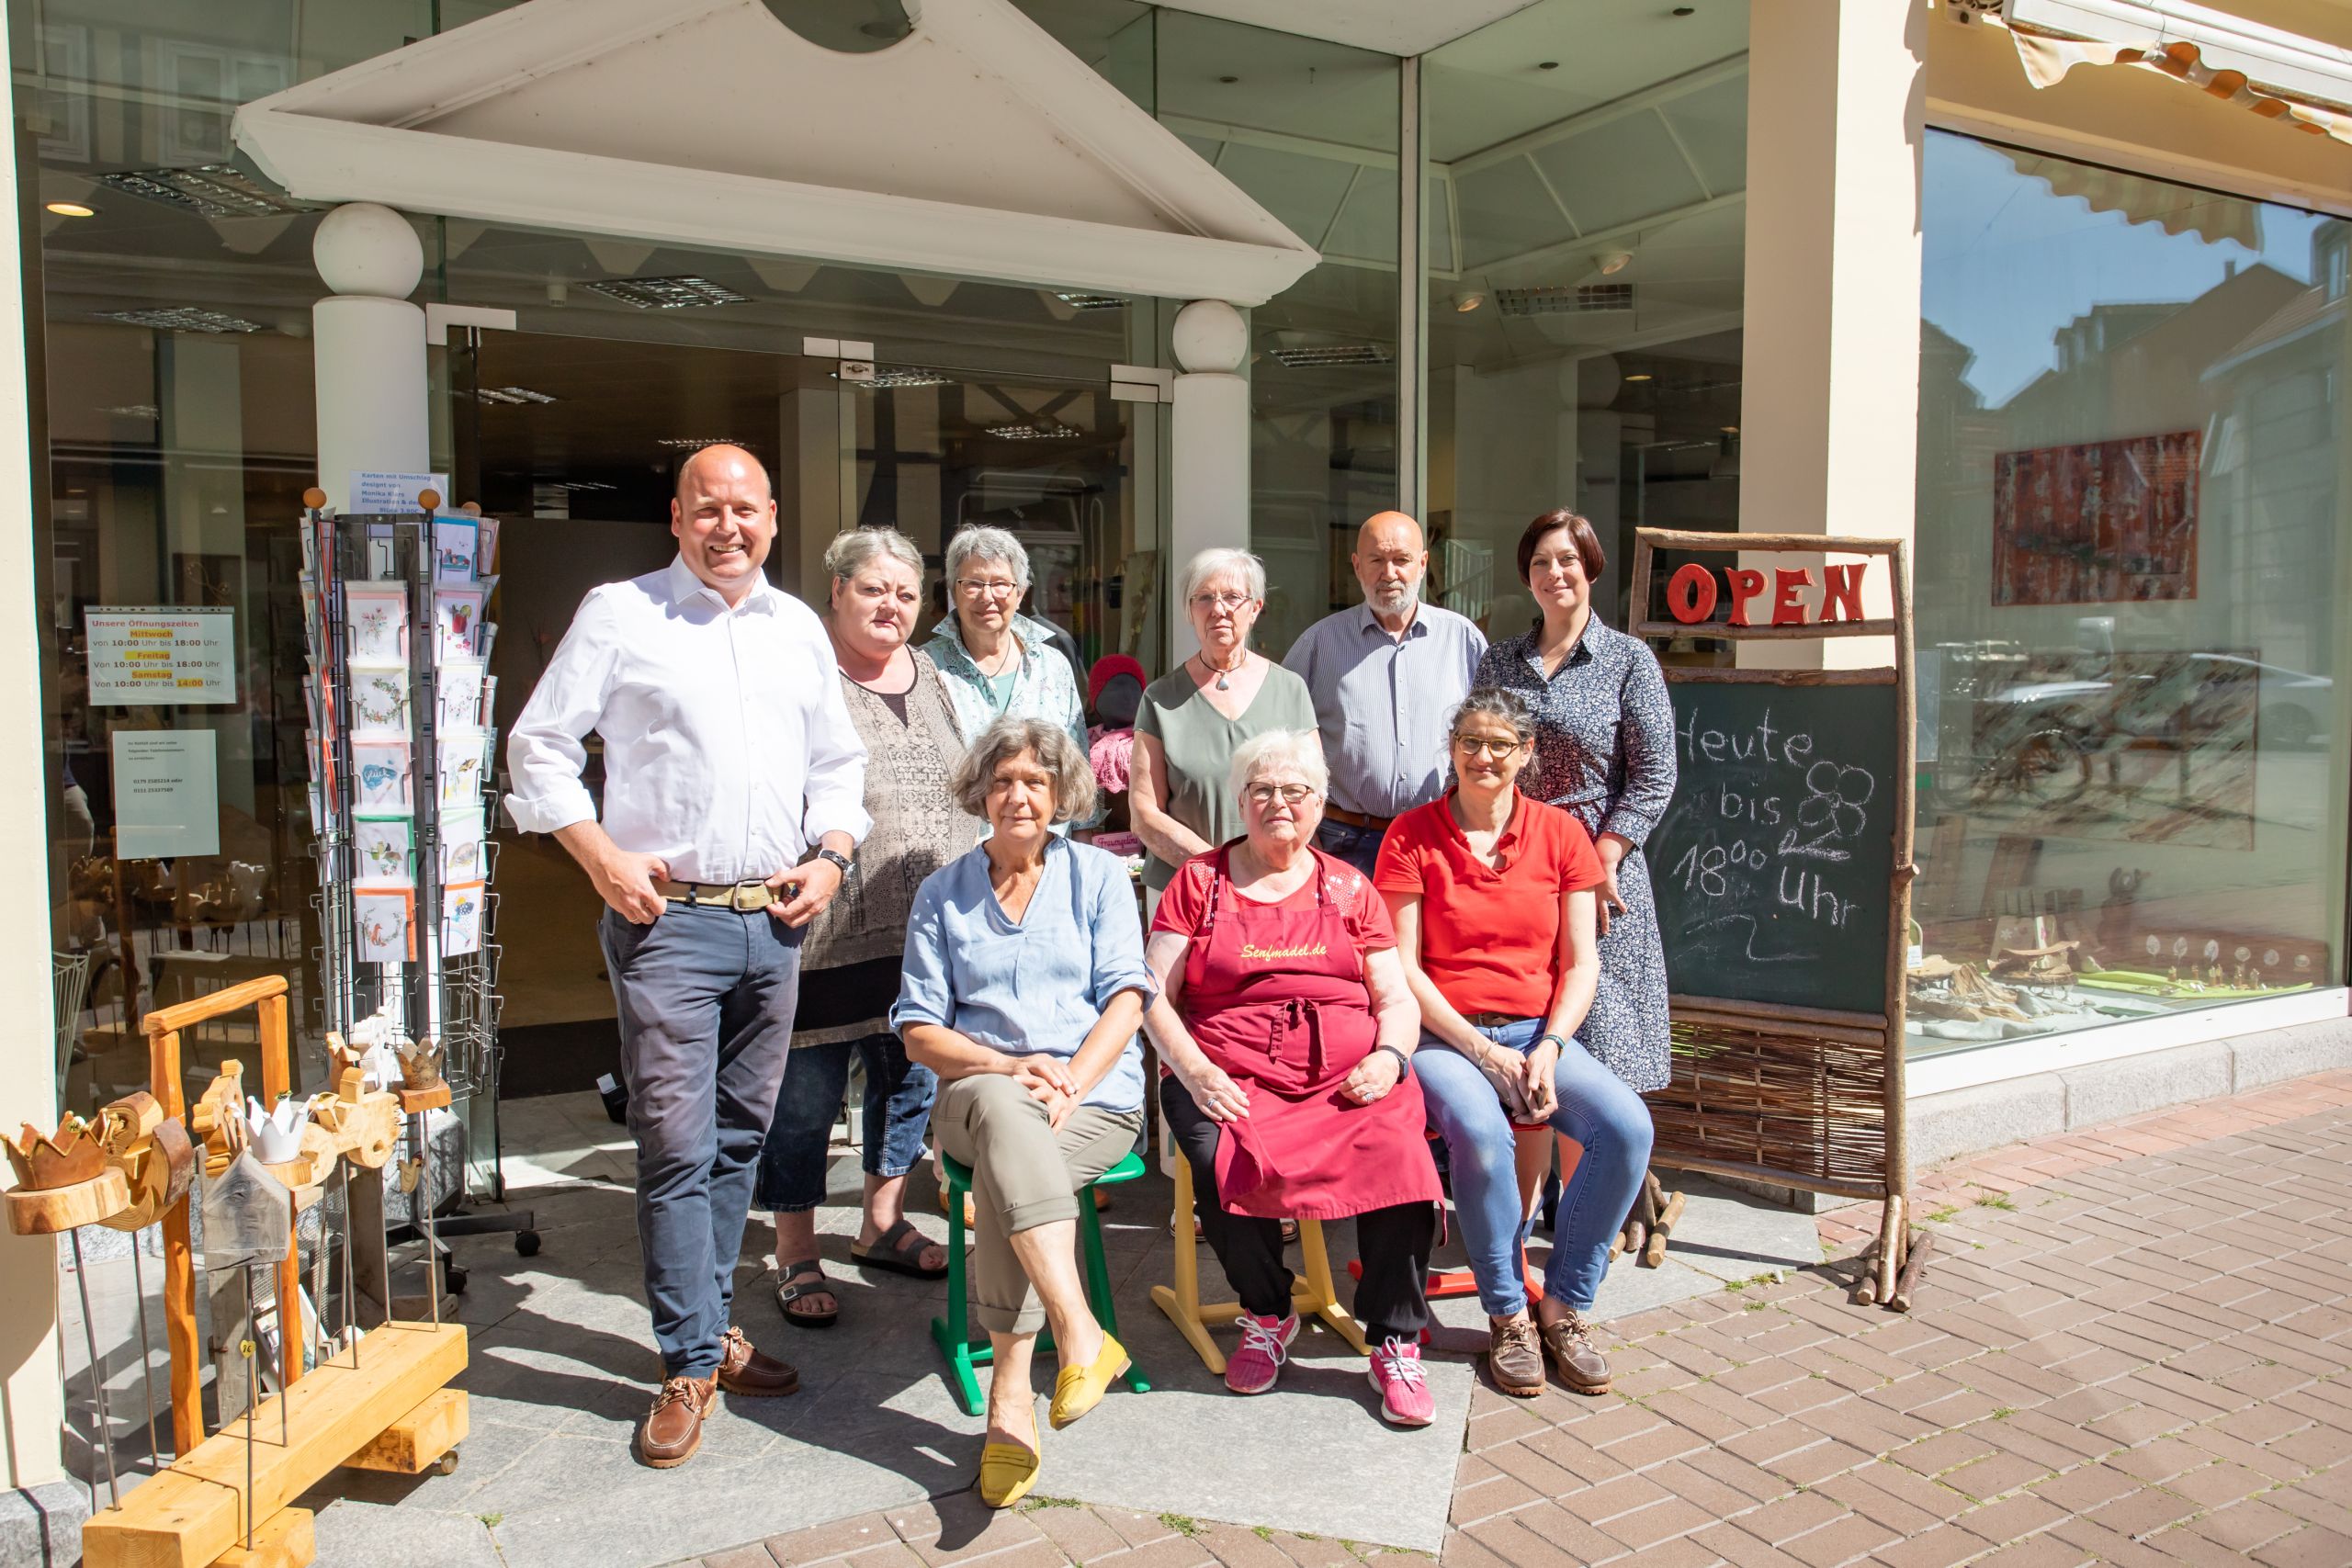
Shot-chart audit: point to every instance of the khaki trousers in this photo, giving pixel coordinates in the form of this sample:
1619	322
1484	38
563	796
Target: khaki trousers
1024	1173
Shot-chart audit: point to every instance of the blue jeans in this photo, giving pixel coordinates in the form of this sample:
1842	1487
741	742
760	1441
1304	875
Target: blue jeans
1596	1110
897	1108
1360	847
706	997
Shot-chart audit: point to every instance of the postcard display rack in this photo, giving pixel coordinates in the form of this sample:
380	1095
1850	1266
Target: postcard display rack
401	746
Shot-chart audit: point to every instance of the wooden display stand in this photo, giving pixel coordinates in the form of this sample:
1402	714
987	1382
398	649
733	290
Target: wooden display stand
387	1406
1773	871
1311	1295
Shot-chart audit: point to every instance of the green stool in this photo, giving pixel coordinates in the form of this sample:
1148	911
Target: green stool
953	1334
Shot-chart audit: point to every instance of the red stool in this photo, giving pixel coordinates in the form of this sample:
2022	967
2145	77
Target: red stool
1444	1284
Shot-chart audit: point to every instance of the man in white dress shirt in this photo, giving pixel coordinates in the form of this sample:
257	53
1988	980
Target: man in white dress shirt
733	797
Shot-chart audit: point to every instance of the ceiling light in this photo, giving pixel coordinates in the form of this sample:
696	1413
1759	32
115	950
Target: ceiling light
697	441
1228	81
510	395
181	319
214	190
1467	302
71	210
1547	65
578	484
683	292
134	411
905	376
1091	301
1043	430
1555	300
1611	263
1639	375
1336	354
1731	430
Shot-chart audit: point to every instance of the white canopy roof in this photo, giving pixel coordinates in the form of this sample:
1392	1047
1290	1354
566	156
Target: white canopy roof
977	146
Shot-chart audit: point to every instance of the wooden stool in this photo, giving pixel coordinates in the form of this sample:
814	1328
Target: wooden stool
1311	1295
953	1334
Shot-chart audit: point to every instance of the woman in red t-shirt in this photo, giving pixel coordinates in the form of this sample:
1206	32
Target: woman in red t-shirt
1492	893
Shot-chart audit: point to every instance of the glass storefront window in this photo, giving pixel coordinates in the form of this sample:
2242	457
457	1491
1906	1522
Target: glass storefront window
1586	243
2129	569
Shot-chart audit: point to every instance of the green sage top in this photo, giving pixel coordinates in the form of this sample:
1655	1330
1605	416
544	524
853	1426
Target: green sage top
1199	743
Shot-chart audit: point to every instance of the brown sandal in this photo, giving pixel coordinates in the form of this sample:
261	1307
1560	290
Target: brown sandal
787	1292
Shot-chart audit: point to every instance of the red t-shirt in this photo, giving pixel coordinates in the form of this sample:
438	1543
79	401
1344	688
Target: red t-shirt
1185	904
1490	940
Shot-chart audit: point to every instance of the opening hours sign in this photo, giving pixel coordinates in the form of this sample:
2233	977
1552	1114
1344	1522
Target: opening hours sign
162	656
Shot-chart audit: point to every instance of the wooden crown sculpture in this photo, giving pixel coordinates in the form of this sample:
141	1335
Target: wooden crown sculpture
44	1161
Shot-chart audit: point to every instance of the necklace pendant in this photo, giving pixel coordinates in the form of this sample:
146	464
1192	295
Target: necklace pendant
1221	684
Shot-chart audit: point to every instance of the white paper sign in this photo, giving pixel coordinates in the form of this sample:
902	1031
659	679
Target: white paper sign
166	792
162	656
372	492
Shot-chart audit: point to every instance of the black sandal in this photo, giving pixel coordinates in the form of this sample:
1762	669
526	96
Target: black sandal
787	1292
894	1251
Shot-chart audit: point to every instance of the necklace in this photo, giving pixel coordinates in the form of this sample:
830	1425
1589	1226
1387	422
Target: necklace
1208	669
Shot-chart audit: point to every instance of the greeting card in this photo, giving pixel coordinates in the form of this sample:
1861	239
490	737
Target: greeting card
381	775
385	848
458	687
378	701
376	617
462	770
453	544
486	547
461	912
385	918
463	857
457	623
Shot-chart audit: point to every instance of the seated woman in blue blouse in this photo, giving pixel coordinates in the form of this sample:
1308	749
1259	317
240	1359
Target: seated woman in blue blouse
1024	986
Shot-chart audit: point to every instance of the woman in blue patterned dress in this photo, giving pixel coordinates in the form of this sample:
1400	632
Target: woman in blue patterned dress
1604	752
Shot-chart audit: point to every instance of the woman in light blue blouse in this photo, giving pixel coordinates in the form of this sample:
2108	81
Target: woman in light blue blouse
1024	989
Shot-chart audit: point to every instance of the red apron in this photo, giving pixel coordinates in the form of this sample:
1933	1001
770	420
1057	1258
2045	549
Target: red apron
1276	998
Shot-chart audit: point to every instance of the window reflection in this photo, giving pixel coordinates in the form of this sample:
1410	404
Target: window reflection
2130	725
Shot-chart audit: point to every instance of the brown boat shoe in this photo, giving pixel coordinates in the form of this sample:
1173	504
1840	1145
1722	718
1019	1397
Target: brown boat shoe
1515	1356
1570	1339
750	1374
671	1430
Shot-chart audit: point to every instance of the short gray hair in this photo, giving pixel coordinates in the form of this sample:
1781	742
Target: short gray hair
853	548
1300	750
987	544
1218	563
1494	702
1055	752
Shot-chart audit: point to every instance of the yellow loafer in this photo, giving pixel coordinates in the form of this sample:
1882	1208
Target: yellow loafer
1079	1389
1007	1471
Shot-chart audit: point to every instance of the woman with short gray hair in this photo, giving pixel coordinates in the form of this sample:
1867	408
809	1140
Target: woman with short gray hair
1194	719
1023	988
850	958
999	662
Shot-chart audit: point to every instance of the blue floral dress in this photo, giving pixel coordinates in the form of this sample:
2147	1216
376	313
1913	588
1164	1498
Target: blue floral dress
1604	750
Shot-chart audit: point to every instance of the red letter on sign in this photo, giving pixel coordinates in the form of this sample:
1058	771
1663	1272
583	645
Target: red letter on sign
1786	611
1691	593
1745	585
1841	593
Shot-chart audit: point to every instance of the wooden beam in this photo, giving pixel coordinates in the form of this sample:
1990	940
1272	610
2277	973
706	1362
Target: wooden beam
189	1515
180	1015
414	1443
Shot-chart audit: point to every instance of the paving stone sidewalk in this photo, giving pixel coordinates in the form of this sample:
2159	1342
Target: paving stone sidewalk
2132	1346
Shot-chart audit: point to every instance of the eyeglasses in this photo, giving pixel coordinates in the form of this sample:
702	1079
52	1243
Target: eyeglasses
1477	746
991	588
1264	793
1219	600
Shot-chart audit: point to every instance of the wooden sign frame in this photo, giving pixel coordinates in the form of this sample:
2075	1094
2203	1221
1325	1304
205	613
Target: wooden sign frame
1776	1067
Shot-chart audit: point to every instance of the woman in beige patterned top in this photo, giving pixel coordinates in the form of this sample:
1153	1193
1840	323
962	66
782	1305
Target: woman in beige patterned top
849	961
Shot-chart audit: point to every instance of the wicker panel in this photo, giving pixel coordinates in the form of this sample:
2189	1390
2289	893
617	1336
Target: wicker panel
1776	1102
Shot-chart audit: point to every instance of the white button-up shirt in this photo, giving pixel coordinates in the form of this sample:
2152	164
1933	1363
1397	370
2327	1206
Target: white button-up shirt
728	748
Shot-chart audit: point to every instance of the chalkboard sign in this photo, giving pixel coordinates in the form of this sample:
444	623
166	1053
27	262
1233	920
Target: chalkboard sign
1774	867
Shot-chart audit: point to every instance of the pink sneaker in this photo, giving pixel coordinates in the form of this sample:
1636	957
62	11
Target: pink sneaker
1405	1398
1265	1346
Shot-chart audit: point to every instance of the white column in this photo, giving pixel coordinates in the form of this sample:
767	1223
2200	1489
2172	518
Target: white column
32	1418
1829	415
1208	441
368	344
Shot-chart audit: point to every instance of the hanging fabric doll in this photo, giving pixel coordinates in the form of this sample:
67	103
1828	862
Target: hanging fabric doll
1114	693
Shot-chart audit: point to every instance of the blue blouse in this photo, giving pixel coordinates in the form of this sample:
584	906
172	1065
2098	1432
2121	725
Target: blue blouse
1038	986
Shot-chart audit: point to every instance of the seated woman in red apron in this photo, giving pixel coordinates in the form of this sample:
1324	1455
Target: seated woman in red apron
1288	1031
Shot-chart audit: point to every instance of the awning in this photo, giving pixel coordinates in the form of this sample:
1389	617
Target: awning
2178	209
2299	81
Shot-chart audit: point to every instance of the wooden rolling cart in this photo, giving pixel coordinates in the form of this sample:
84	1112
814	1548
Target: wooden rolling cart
1782	875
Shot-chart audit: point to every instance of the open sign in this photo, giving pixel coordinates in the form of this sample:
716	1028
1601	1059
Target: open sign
1691	594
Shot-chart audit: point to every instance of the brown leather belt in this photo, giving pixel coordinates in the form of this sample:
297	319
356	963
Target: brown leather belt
1356	818
1490	1020
740	896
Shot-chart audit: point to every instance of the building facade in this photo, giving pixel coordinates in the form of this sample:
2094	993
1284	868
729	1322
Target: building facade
1998	279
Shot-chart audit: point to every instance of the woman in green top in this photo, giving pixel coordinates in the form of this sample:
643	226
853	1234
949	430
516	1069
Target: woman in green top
1194	717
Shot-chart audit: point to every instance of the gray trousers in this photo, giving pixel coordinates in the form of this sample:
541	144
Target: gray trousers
1024	1173
706	997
